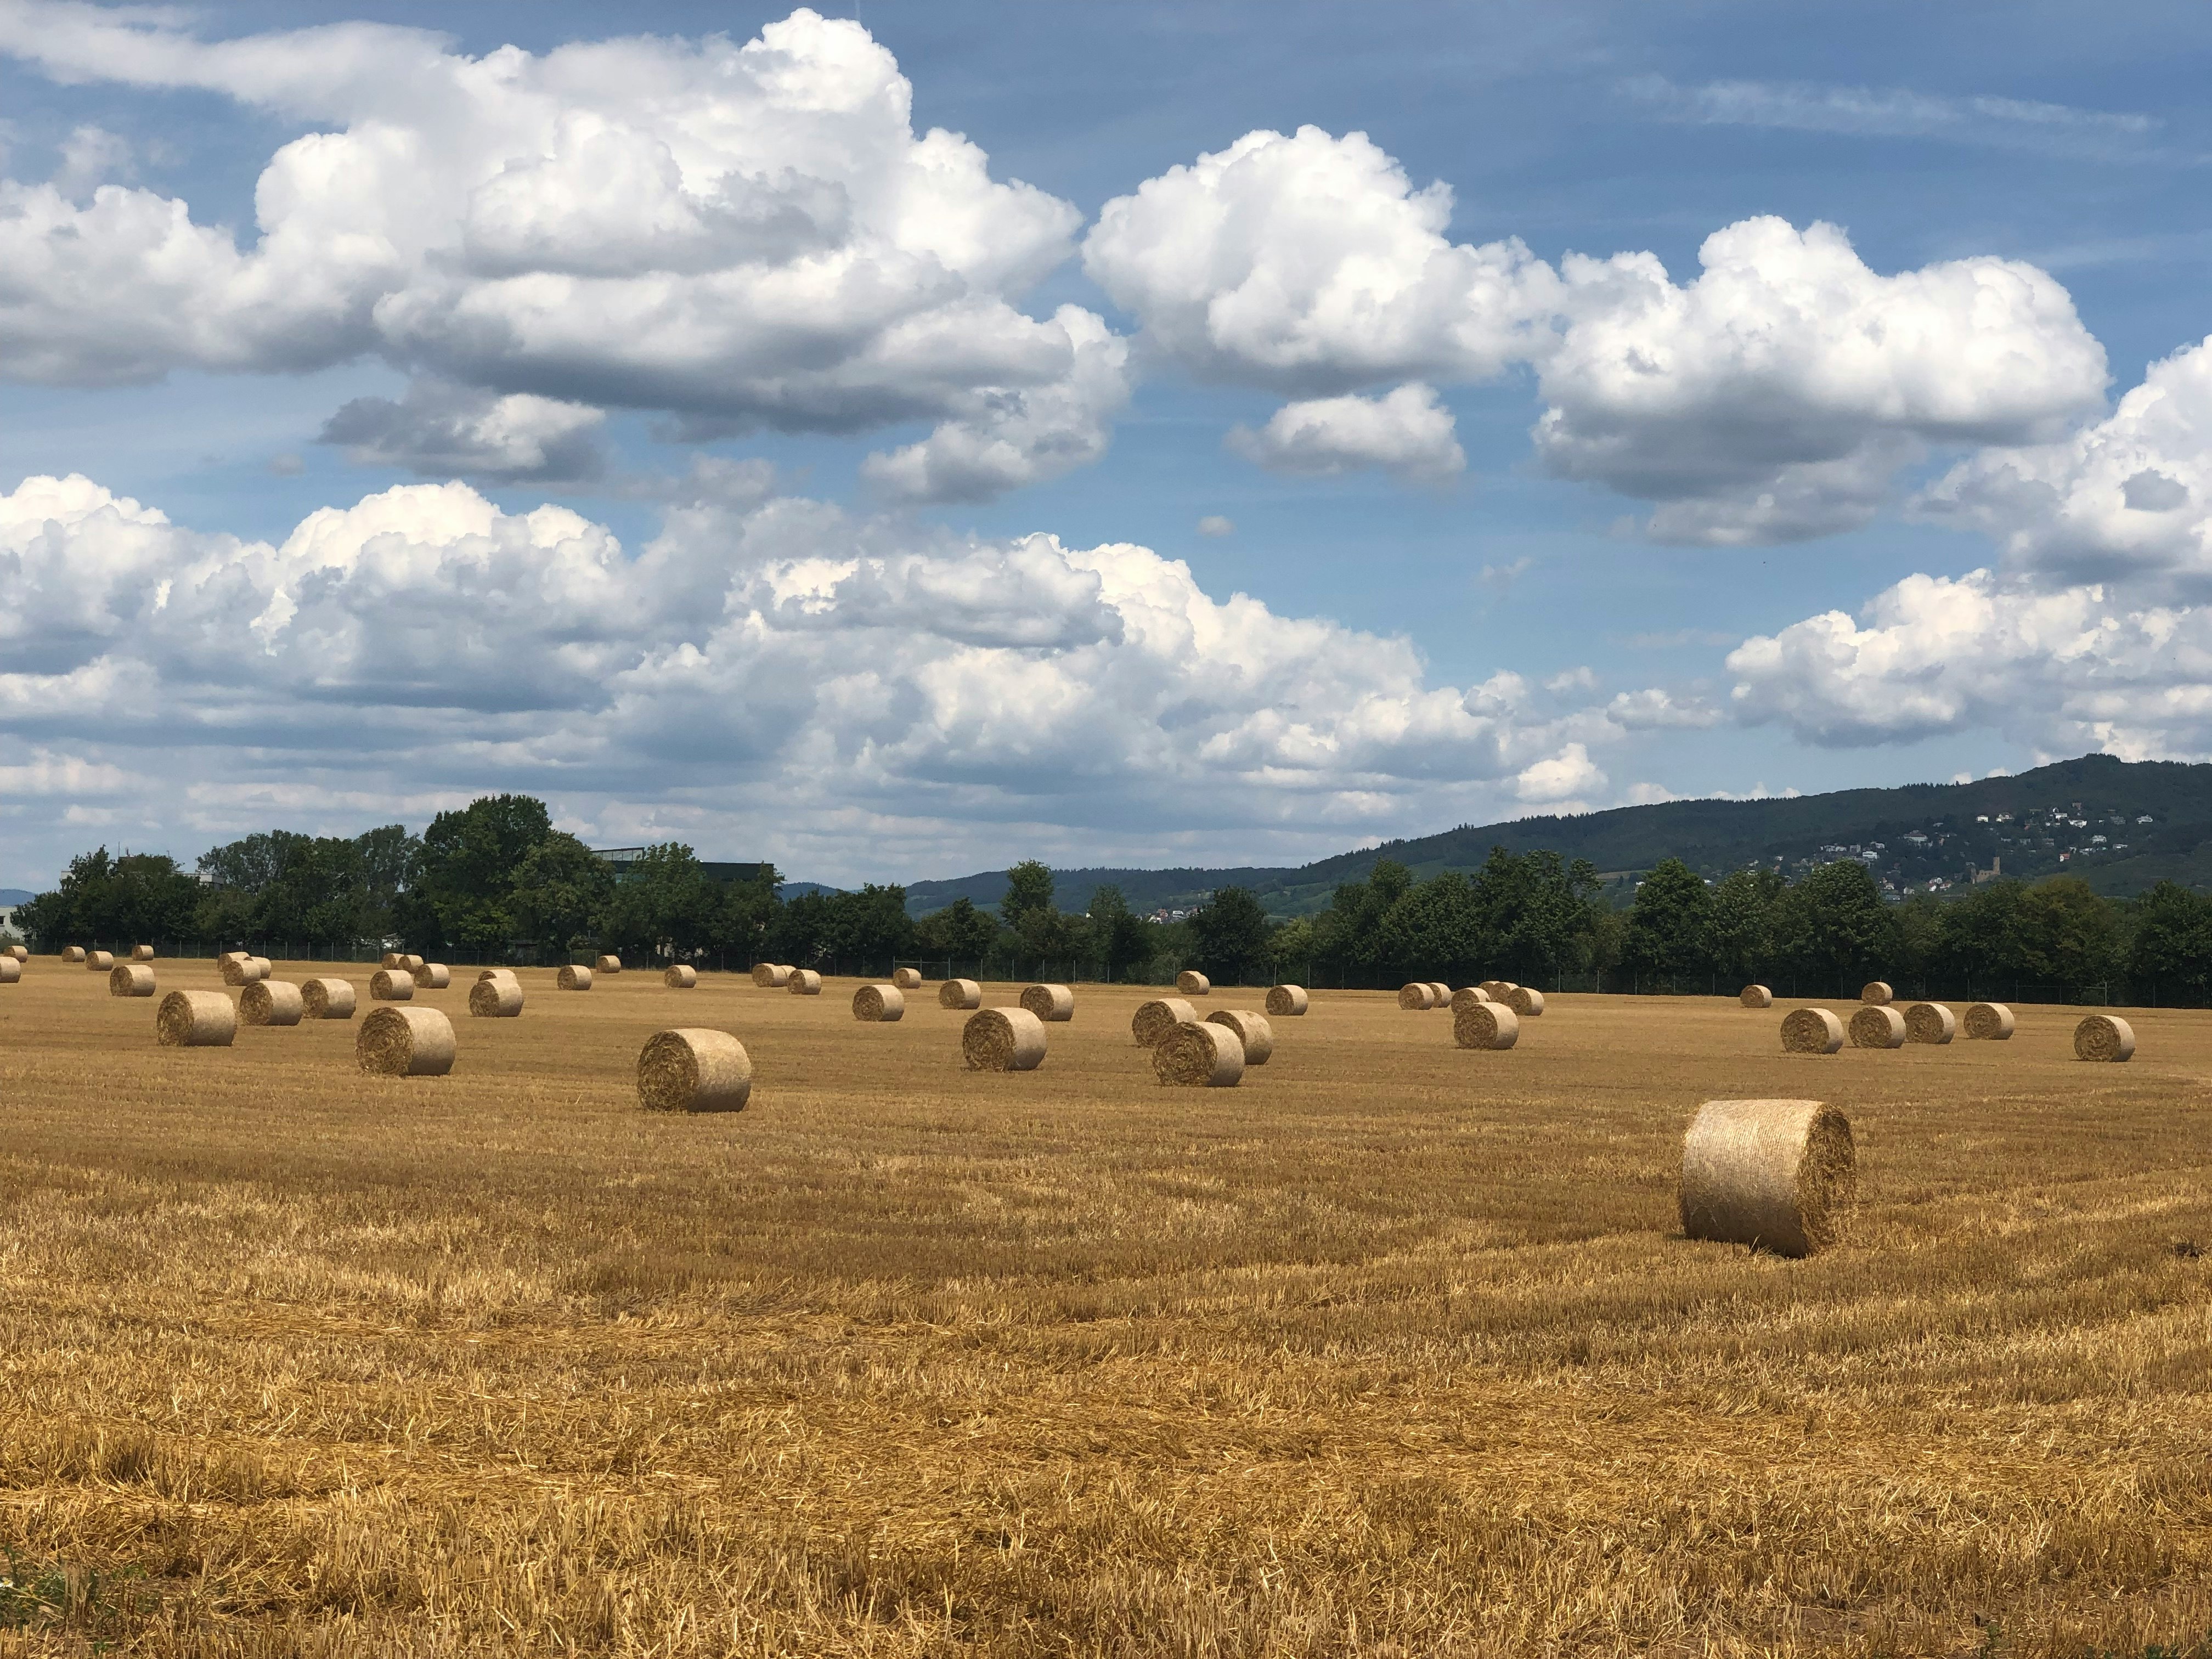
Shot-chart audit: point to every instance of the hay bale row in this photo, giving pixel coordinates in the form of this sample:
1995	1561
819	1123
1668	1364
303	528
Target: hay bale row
1286	1002
694	1070
1003	1039
130	979
680	976
1498	990
391	985
1811	1032
1052	1003
397	1041
1929	1021
1200	1054
878	1005
960	993
272	1002
1777	1175
1486	1025
326	998
1989	1021
1416	996
1192	983
906	979
771	976
1253	1031
240	968
1153	1020
2105	1037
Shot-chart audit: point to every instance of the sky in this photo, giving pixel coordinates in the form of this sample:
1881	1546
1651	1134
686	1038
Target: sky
896	439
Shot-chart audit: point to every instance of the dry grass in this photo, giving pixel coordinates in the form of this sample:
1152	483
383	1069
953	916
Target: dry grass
1394	1350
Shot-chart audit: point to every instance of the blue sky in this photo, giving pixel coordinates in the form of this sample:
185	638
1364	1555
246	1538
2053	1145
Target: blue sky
865	672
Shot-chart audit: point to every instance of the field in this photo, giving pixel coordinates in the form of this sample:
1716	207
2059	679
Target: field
1394	1350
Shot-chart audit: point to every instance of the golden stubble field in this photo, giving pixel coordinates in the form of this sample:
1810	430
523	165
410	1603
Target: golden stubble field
1394	1350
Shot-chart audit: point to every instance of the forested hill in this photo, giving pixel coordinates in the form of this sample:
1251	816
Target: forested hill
1714	836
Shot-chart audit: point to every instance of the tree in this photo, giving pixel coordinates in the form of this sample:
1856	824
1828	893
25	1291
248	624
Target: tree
959	933
1434	929
465	884
1740	933
2172	940
1289	948
871	923
661	903
1834	923
131	898
1029	890
2069	935
1536	908
1348	932
562	888
1118	935
1670	922
1230	931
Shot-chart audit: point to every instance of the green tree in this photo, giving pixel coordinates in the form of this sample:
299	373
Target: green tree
1289	948
959	933
562	888
1741	931
1029	890
1434	929
1119	936
662	903
464	889
2069	935
132	898
1670	922
2173	945
1536	910
1347	934
870	924
1834	924
1230	931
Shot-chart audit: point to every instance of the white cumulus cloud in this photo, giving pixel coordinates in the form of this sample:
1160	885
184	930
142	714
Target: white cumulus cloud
1408	433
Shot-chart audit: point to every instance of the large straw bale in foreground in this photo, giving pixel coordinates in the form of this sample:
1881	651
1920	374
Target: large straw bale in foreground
435	977
1877	1026
1052	1003
1003	1039
1192	983
1877	993
1811	1032
1198	1054
573	977
608	965
498	997
1252	1030
130	979
1286	1001
1989	1021
1155	1019
73	954
1929	1022
694	1070
1525	1000
804	982
960	993
11	971
1775	1174
272	1002
397	1041
391	985
878	1005
99	962
141	953
2104	1037
680	976
326	998
771	976
195	1019
1755	996
1486	1025
1416	996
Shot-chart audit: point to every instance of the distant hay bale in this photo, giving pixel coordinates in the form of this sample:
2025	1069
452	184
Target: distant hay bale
272	1002
771	976
680	976
878	1005
393	959
1192	983
1989	1021
195	1019
1467	996
413	964
694	1070
2104	1038
1052	1003
805	983
1929	1022
11	971
573	977
608	965
391	985
1811	1032
99	962
406	1043
1286	1001
1252	1030
130	979
257	967
326	998
1155	1019
1417	994
1443	992
1198	1054
1777	1175
141	953
21	953
495	973
1497	989
496	999
1003	1039
1486	1025
907	979
73	954
1876	993
1525	1000
435	977
959	994
1755	996
1877	1026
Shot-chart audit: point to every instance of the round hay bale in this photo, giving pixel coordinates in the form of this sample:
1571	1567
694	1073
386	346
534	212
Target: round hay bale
694	1070
1486	1025
130	979
257	967
1876	993
1155	1019
99	962
771	976
326	998
1416	996
73	954
1777	1175
272	1002
805	983
1877	1026
573	977
959	994
607	965
496	973
1192	983
1497	989
1989	1021
435	977
1052	1003
1467	996
1525	1000
1443	992
393	959
2104	1038
1197	1055
1003	1039
1929	1022
1286	1001
11	971
1252	1030
1811	1032
680	976
406	1043
141	953
1755	996
391	985
234	968
878	1005
195	1019
907	979
497	998
413	964
21	953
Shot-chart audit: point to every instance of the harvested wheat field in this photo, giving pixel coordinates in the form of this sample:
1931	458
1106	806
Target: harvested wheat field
1394	1349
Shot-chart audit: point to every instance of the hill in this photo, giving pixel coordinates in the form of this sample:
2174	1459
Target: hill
2121	825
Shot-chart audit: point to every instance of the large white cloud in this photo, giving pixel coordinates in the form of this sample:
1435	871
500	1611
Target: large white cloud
744	236
1408	433
912	699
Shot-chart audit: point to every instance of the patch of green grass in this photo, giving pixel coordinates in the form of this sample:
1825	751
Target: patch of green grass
36	1592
